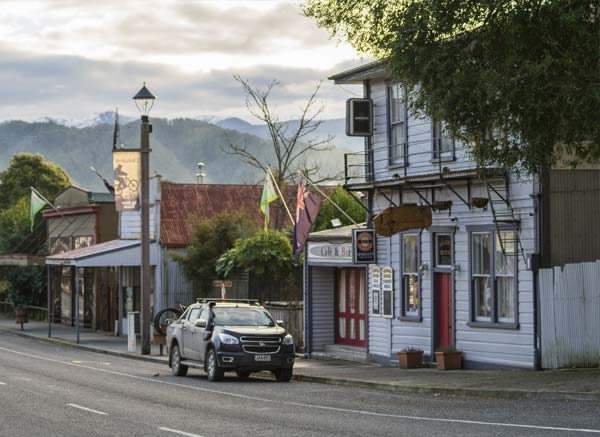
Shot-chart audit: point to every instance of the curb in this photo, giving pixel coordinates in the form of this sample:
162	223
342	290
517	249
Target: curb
85	348
451	391
393	388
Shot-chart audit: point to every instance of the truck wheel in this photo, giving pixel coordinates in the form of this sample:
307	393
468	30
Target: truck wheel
243	375
213	371
284	374
177	368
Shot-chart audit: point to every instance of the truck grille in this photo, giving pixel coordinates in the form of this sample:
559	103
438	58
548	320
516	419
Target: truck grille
260	345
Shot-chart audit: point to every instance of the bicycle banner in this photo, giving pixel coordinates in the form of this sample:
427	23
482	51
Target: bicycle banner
127	168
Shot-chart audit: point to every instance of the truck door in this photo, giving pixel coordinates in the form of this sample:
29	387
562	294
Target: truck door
188	349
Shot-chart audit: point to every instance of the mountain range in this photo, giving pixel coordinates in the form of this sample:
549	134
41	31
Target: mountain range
177	146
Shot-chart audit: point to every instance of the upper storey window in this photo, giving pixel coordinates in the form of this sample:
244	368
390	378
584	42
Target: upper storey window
442	144
398	129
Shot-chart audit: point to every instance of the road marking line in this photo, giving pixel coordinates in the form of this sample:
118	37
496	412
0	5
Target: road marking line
2	383
175	431
88	409
299	404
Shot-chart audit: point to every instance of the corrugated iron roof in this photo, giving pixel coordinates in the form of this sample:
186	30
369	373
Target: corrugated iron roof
185	205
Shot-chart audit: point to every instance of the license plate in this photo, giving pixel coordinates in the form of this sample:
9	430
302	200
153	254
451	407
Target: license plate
262	357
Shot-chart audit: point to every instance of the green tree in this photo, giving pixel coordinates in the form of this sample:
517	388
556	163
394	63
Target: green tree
347	202
267	256
213	237
518	80
266	253
27	170
15	229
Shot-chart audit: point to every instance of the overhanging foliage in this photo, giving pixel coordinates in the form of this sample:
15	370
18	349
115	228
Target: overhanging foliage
518	80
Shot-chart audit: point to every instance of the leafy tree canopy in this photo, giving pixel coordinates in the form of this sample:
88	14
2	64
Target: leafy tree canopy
267	253
15	228
345	201
519	80
30	170
213	238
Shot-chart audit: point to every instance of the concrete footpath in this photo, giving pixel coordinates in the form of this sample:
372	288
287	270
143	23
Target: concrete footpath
580	384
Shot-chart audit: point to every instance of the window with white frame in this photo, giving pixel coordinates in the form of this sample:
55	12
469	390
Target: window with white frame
411	301
493	276
442	143
398	132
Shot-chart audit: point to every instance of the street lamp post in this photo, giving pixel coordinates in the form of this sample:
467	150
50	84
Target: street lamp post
144	100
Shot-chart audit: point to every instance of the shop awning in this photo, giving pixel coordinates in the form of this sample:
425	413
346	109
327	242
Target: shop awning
119	253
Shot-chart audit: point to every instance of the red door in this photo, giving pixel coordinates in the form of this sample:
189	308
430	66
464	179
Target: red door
444	287
351	308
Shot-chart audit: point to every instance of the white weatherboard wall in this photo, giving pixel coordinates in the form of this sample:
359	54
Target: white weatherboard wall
570	309
130	221
511	347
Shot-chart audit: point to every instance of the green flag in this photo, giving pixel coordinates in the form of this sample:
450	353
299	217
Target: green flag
37	203
268	196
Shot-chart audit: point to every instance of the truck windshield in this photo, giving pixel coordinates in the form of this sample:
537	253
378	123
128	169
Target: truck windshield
242	317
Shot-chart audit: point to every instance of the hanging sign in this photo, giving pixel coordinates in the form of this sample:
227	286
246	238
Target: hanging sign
127	169
402	218
363	246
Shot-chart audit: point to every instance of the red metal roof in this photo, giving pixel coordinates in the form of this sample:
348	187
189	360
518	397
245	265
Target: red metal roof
185	205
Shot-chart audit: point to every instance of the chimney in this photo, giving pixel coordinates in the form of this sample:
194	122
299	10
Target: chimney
200	175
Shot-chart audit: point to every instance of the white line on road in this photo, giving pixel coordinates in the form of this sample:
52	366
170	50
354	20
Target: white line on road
2	383
299	404
87	409
175	431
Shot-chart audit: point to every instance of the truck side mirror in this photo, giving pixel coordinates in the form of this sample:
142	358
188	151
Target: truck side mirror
281	323
200	323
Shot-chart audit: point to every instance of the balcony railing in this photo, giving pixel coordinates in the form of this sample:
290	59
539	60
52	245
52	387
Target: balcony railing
422	159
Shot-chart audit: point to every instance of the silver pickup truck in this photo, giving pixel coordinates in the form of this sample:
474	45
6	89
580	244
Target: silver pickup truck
220	336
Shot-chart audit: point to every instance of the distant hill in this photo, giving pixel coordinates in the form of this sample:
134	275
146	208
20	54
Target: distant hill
333	127
177	145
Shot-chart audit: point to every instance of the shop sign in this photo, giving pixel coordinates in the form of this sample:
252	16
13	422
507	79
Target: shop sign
330	252
393	220
363	245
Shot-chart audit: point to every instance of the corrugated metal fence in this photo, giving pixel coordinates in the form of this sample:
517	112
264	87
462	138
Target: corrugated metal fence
570	315
294	319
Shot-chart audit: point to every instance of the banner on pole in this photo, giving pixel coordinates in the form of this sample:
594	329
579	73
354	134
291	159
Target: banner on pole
127	169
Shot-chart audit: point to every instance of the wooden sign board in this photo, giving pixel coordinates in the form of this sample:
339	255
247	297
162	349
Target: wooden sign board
402	218
217	283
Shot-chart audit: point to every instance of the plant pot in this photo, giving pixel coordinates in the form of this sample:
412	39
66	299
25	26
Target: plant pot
448	360
21	315
410	359
442	205
479	202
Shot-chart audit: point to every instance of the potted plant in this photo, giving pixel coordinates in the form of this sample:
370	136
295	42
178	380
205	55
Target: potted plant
410	358
479	202
442	205
448	358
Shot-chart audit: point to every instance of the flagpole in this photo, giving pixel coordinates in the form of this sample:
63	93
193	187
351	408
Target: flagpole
328	198
279	192
51	205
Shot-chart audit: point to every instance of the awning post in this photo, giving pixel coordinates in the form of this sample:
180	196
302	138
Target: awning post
77	294
49	288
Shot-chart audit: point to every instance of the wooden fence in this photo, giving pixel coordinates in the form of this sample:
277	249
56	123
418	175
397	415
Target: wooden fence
294	319
33	312
570	315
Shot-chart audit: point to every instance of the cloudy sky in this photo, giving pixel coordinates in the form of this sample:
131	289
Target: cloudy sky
72	58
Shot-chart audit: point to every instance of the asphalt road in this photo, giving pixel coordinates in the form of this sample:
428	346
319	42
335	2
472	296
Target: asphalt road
46	390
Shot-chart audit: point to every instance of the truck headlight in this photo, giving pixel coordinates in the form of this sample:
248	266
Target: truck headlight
228	339
288	340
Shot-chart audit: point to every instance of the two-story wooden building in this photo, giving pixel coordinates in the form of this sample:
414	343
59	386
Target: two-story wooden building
468	281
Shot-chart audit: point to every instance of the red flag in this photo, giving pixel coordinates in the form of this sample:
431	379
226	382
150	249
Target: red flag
307	209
